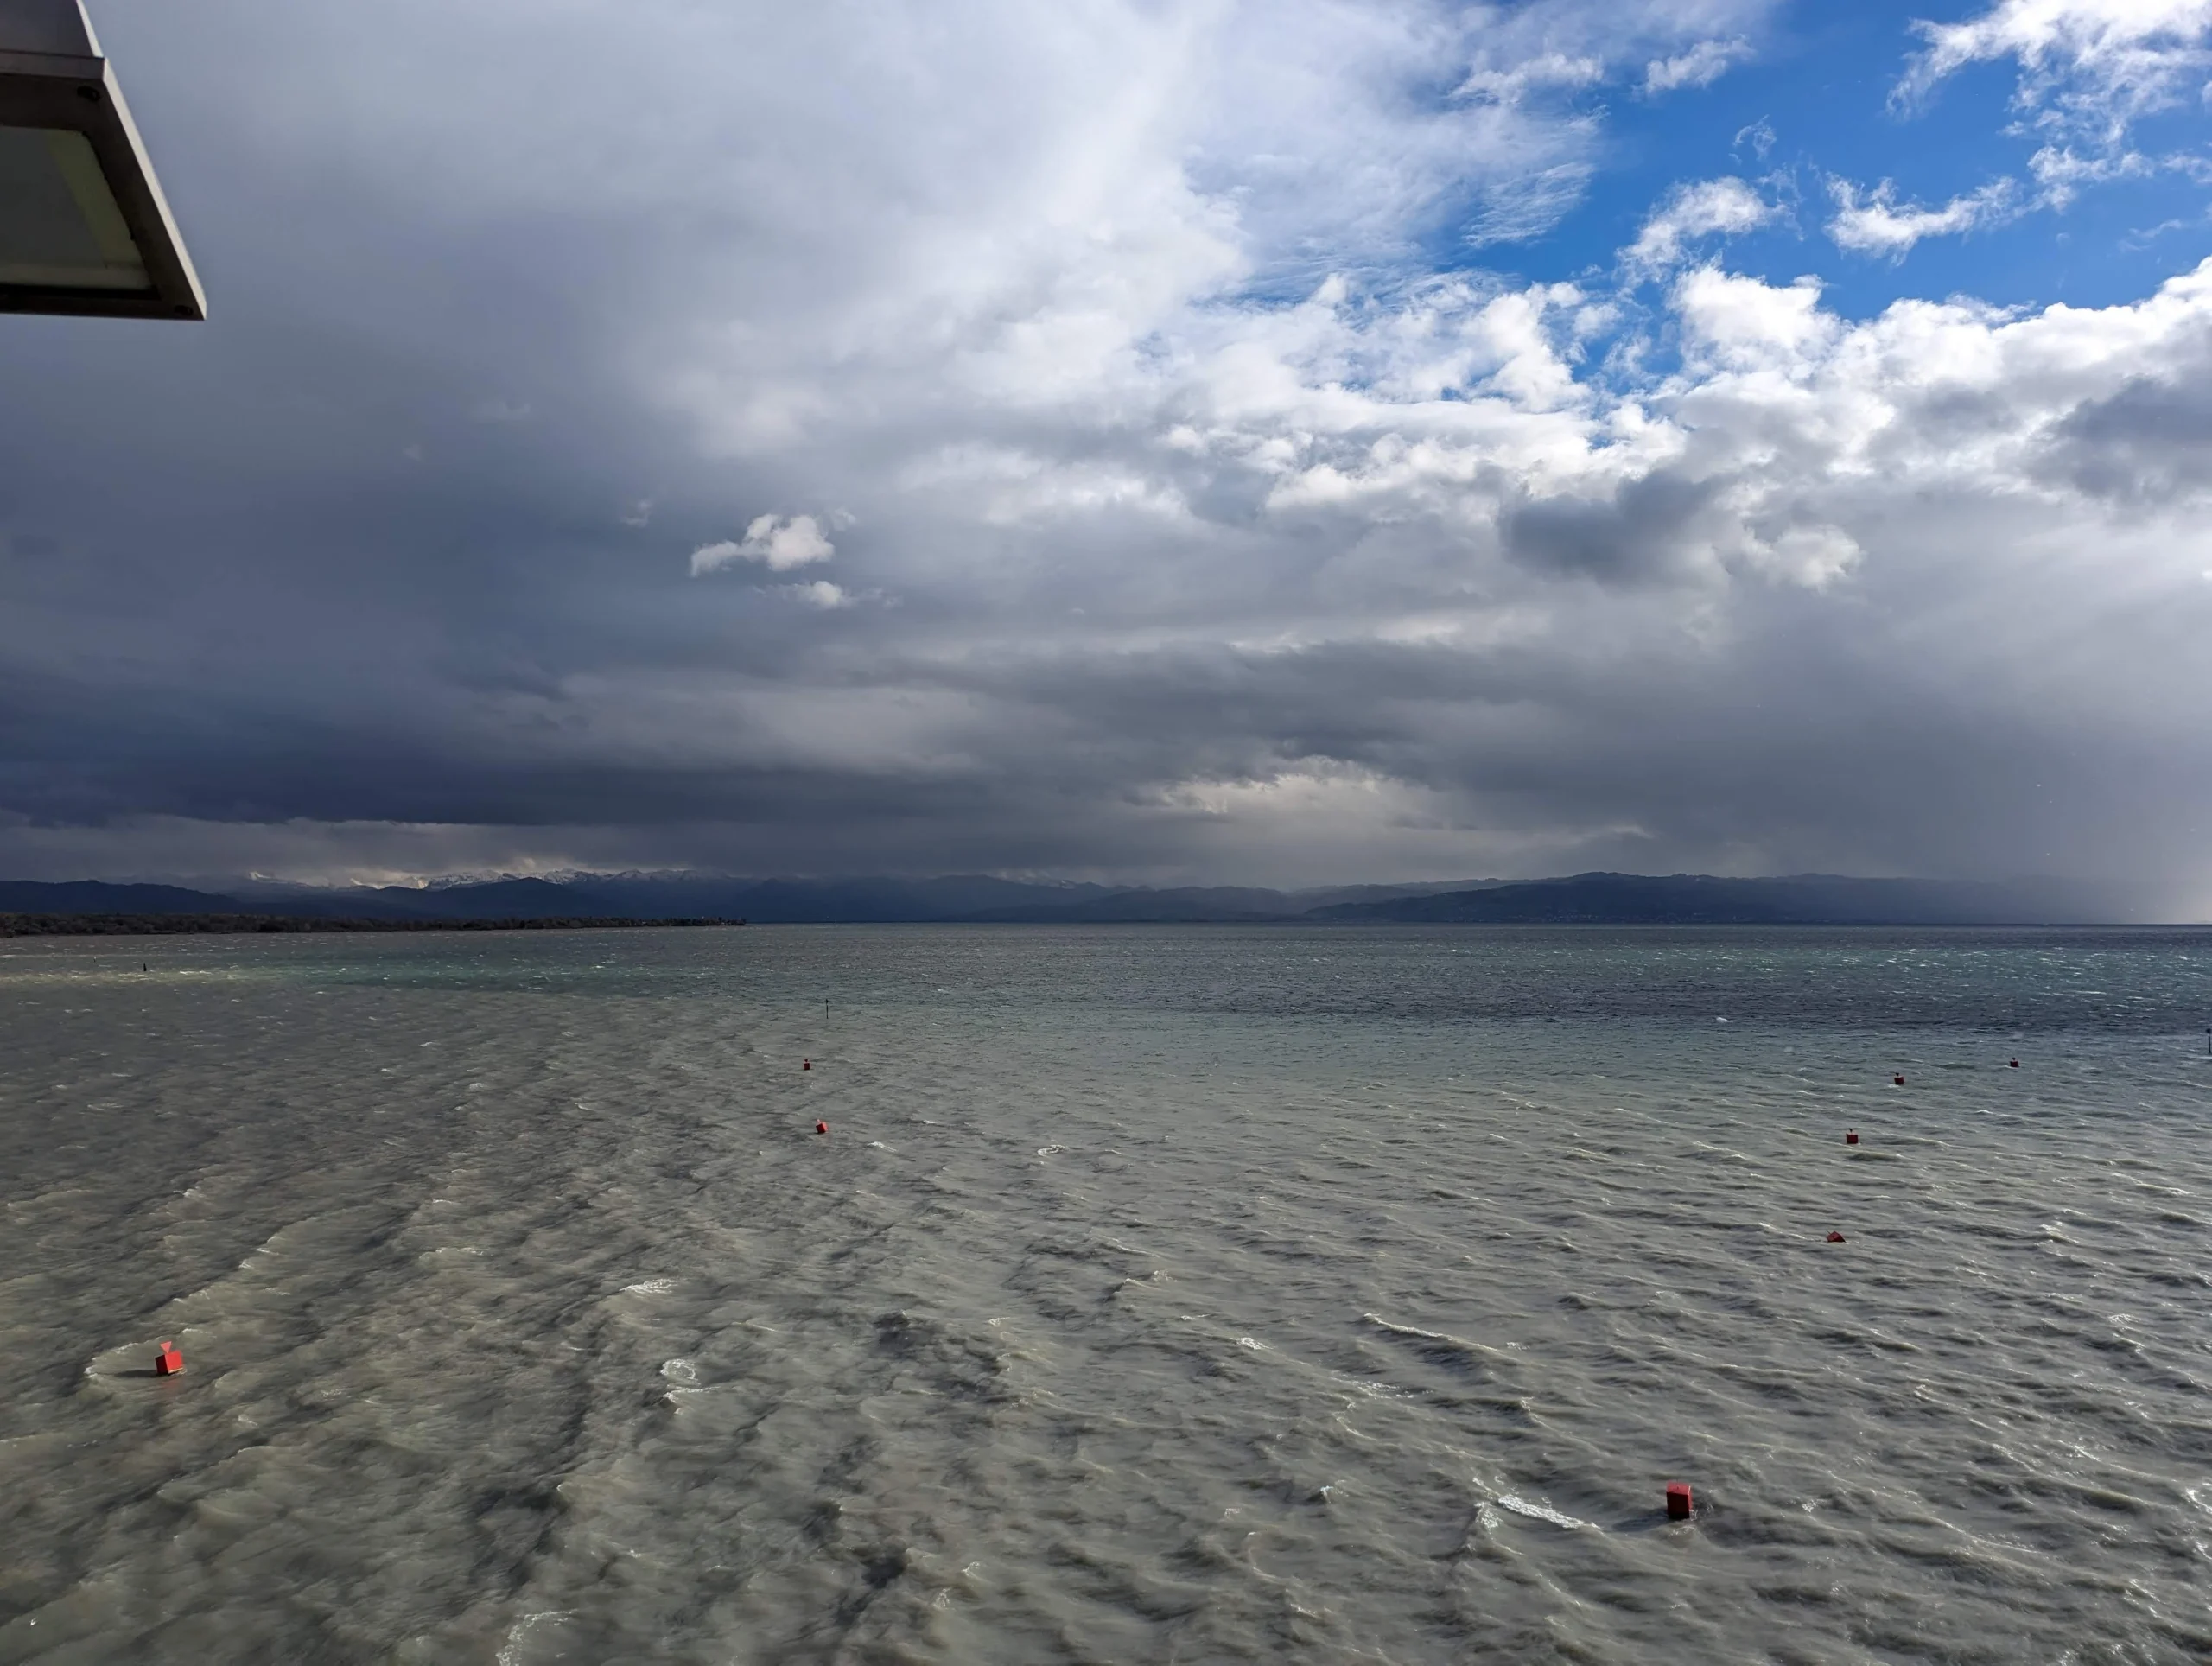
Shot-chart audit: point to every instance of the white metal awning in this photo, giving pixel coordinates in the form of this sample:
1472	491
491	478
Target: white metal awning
83	225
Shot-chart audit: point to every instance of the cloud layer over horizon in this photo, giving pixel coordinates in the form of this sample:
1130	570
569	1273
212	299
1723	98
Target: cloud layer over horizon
1138	439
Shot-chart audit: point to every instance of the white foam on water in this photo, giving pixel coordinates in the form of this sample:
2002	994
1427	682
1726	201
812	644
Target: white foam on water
1381	1323
1378	1390
1537	1512
511	1653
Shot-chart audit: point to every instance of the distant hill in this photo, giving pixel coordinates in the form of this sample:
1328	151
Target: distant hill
1306	902
817	901
1800	900
1583	899
957	899
98	896
1149	907
976	899
18	926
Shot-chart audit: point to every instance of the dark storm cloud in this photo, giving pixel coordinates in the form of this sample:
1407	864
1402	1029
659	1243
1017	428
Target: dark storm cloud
1136	556
1637	534
2149	443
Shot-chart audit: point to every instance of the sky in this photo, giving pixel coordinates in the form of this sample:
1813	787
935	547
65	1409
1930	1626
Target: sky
1277	443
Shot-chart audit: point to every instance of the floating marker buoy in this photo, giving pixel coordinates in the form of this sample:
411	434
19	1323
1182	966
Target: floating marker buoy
822	1127
2016	1064
1851	1136
1899	1080
807	1064
1835	1237
1678	1501
169	1362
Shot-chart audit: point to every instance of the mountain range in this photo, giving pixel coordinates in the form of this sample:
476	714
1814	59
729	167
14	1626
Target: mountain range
1590	898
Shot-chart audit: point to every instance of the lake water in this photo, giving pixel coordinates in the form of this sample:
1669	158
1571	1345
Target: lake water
1182	1294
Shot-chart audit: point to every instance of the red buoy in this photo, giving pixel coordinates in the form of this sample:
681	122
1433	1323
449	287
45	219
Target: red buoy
1851	1136
2016	1064
807	1064
169	1362
1678	1501
1835	1237
1899	1080
822	1127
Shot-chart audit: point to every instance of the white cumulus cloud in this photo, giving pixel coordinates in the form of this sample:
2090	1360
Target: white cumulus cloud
1702	65
2088	66
776	542
1721	206
819	593
1875	222
2061	172
1546	72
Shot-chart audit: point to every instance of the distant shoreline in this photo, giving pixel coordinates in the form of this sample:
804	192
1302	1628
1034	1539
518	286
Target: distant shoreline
30	925
132	926
576	902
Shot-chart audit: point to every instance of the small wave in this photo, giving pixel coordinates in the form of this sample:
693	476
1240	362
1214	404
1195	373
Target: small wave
1383	1324
1377	1390
650	1287
1454	1352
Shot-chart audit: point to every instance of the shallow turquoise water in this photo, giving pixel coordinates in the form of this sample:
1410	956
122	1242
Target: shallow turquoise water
1159	1294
